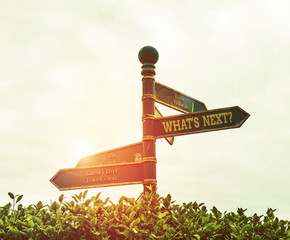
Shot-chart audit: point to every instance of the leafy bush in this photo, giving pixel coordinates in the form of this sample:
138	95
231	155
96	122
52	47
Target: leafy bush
149	217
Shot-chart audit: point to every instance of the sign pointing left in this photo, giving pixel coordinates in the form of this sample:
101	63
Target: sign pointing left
99	176
126	154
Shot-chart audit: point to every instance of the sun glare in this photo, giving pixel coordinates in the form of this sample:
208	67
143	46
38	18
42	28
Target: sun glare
81	151
78	150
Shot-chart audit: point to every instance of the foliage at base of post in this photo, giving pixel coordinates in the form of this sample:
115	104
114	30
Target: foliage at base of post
149	217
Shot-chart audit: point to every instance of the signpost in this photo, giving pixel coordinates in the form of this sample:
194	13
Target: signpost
212	120
148	56
177	100
136	163
99	176
126	154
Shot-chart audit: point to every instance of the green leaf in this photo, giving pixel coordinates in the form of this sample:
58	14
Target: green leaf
11	195
30	224
15	231
98	233
218	236
121	199
122	226
134	223
257	237
166	203
50	230
197	236
85	194
214	210
30	231
94	222
162	214
19	198
72	203
87	202
75	197
132	201
143	217
106	201
39	205
124	217
98	195
241	211
54	206
61	197
195	206
19	207
18	223
245	228
168	197
92	212
37	220
120	207
126	233
80	196
132	215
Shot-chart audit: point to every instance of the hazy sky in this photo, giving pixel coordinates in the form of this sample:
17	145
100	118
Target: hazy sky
70	86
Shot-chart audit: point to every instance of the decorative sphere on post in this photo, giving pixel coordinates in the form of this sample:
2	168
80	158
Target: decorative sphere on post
148	54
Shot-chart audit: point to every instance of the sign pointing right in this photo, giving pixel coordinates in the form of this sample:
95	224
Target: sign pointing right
212	120
177	100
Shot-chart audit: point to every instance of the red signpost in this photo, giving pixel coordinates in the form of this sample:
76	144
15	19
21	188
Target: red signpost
136	163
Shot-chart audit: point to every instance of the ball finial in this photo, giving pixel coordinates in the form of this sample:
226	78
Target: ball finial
148	54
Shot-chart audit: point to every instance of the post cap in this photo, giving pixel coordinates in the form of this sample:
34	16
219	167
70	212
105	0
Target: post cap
148	54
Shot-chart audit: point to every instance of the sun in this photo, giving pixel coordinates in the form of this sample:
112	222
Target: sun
80	149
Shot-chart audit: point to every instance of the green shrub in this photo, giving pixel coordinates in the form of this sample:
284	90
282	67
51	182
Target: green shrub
149	217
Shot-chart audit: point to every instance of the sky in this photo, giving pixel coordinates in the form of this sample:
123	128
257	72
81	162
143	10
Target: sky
70	85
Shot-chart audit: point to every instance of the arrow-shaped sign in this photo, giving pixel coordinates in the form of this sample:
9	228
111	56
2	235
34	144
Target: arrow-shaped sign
177	100
126	154
217	119
100	176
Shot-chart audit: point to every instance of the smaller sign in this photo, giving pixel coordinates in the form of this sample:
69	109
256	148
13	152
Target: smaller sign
212	120
177	100
158	114
126	154
99	176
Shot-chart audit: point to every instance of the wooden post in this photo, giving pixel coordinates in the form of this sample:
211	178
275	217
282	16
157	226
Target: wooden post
148	56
